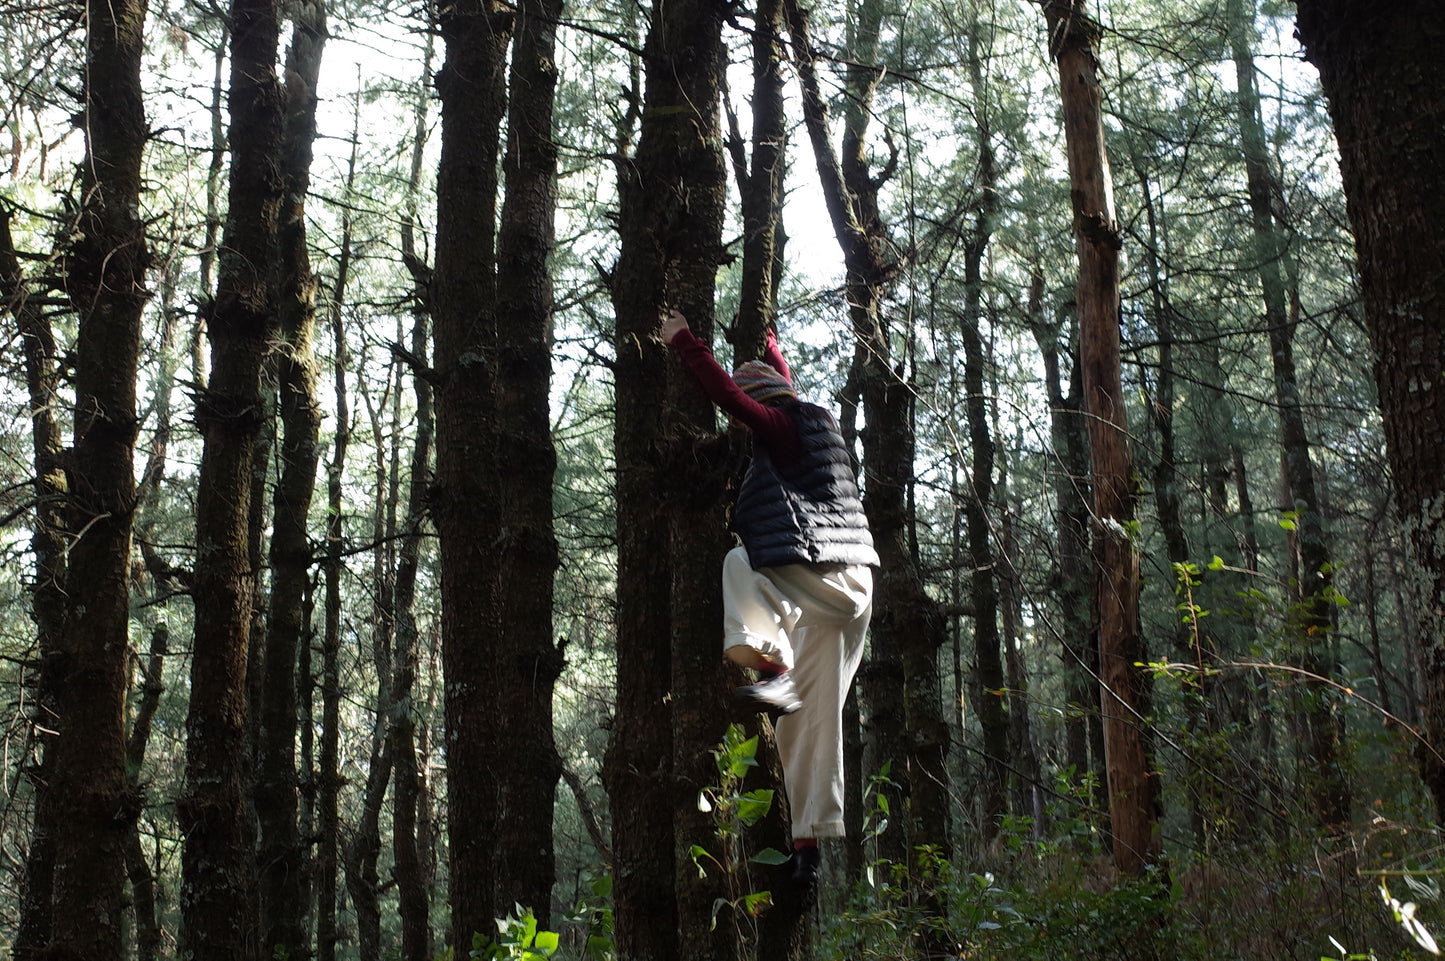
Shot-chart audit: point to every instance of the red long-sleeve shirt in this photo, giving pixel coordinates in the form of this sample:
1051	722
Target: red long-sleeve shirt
770	425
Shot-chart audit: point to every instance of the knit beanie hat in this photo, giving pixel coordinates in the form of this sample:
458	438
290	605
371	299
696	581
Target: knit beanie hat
761	382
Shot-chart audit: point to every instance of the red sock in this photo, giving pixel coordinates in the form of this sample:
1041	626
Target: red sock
801	843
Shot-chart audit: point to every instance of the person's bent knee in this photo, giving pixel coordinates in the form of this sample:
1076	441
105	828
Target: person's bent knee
741	652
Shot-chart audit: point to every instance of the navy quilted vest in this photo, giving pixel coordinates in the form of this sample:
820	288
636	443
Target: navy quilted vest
807	511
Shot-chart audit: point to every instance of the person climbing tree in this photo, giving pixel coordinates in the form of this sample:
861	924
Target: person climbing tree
798	593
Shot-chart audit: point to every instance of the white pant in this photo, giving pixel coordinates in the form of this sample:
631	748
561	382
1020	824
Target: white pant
811	621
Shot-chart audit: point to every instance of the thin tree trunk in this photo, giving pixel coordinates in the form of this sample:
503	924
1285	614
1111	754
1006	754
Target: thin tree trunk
1071	489
1188	638
760	185
328	774
105	264
856	227
1124	695
783	933
142	879
362	853
408	790
362	880
978	511
1325	783
909	627
47	594
144	896
282	853
1029	777
528	659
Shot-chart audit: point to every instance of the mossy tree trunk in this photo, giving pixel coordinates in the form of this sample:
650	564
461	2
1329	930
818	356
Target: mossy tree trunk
282	854
105	262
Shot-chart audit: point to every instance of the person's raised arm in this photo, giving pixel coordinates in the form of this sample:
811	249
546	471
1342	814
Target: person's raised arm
771	425
773	356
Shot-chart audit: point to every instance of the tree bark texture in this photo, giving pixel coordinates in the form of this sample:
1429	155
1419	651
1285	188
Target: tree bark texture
466	505
282	856
1124	692
760	185
218	893
47	595
142	879
105	261
669	678
1382	73
363	882
527	660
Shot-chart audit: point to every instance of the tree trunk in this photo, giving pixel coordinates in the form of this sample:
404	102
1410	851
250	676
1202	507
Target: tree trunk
783	933
47	595
408	792
466	505
760	185
362	881
527	661
411	886
856	226
978	506
1325	783
1071	488
328	774
1124	695
142	879
363	852
1028	779
105	265
908	627
1381	71
218	896
282	855
669	680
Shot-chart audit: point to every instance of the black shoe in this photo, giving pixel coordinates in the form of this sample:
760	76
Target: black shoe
803	869
774	695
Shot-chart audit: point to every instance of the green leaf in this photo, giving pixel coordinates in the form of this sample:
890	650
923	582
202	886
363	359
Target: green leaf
754	806
769	856
699	852
547	942
1216	563
755	903
717	906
